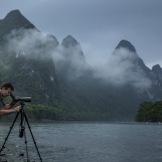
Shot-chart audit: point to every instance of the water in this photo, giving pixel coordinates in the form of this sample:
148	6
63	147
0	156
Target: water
87	142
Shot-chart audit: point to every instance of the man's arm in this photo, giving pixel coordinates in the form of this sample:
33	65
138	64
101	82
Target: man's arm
6	107
12	105
9	111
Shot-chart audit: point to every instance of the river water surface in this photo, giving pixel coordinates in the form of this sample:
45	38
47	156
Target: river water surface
86	142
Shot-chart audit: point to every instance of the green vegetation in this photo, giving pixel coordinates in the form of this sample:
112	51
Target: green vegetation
58	113
61	113
150	112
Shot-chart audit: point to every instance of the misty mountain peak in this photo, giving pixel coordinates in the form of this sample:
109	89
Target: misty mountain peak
126	44
14	13
157	69
54	39
69	41
14	20
16	17
73	49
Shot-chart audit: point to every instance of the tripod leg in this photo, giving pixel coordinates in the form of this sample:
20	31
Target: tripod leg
26	146
3	146
32	137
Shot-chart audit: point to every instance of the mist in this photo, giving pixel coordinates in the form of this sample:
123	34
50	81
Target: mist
30	43
117	68
120	68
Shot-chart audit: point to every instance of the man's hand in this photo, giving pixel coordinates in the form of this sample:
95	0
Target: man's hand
7	106
9	111
17	108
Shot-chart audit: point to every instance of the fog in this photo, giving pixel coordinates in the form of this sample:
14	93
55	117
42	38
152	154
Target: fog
118	67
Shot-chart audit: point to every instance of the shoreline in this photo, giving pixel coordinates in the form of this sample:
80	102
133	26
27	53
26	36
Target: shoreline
84	122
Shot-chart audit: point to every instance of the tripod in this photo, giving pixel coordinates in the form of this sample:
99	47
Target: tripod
22	131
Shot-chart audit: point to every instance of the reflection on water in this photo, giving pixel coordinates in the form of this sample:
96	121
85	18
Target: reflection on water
87	142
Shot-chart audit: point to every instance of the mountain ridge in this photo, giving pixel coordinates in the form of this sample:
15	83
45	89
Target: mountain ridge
85	94
14	20
126	44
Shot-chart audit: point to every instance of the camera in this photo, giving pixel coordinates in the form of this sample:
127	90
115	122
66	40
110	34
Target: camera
22	99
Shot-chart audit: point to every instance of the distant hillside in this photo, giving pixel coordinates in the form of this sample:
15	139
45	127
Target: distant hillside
57	74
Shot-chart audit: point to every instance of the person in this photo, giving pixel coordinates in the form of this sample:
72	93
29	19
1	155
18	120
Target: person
6	90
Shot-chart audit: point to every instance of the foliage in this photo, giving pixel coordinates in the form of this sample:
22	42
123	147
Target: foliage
58	113
61	112
150	112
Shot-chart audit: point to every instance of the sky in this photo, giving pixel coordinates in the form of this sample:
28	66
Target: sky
98	25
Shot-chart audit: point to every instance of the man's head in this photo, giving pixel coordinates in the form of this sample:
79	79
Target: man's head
6	89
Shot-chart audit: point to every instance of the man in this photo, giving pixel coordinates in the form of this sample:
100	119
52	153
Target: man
5	90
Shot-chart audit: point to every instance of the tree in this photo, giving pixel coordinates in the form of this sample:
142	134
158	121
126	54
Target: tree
150	112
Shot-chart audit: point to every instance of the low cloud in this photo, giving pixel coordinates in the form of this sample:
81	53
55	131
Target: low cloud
30	43
37	45
119	69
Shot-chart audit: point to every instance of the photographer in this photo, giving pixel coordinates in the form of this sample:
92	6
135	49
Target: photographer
6	90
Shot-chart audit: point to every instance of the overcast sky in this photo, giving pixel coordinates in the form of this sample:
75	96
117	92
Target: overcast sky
98	25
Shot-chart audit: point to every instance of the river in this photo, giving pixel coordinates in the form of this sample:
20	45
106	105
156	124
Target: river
86	142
